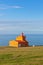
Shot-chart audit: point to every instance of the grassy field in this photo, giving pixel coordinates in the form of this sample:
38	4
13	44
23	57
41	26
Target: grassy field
21	56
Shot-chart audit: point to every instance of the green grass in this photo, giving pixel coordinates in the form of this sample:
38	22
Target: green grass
21	56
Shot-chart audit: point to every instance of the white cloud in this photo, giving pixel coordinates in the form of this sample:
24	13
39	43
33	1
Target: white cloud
20	27
15	7
3	6
1	28
11	28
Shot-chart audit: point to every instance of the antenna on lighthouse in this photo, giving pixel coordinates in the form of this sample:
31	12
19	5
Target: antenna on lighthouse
22	34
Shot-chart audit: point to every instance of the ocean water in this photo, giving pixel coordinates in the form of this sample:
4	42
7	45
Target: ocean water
33	39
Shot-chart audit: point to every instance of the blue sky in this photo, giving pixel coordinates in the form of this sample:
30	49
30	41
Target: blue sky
18	16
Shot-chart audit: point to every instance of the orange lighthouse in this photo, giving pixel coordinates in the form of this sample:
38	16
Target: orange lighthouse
20	41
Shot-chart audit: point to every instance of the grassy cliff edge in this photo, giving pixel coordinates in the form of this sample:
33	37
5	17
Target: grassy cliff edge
21	56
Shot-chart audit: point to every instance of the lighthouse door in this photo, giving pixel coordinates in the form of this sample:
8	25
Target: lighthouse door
19	45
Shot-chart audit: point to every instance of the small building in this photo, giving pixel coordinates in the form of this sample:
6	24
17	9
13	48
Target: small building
20	41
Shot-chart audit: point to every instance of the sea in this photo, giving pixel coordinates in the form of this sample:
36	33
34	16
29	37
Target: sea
33	39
